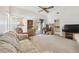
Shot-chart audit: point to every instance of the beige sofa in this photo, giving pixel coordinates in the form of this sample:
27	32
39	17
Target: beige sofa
9	43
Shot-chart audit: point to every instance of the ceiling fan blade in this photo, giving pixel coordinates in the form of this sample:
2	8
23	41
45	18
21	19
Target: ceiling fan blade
40	10
44	9
50	7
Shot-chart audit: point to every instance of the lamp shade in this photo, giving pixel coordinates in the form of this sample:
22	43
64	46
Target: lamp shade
20	22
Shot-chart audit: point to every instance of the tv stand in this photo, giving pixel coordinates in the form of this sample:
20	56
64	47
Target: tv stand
70	30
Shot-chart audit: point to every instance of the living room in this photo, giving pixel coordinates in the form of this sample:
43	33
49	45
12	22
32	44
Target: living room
41	24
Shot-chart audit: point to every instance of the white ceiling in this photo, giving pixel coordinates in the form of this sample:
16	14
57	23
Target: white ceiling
24	10
34	9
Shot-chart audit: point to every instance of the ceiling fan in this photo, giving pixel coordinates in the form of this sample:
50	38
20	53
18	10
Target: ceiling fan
45	8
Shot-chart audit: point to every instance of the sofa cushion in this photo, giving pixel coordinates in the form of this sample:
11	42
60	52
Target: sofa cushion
27	46
7	48
11	38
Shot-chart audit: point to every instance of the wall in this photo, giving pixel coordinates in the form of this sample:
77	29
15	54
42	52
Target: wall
10	16
17	13
3	19
67	15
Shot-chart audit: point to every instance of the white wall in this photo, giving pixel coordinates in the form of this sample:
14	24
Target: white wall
26	14
67	15
9	17
3	19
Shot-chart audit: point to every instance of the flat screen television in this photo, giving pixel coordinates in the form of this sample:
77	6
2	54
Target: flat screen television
73	28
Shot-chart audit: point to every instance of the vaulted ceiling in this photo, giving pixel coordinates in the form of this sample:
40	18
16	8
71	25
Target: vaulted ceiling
37	9
34	9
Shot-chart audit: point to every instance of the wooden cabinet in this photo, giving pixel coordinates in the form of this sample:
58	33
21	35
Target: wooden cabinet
70	30
69	35
30	28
